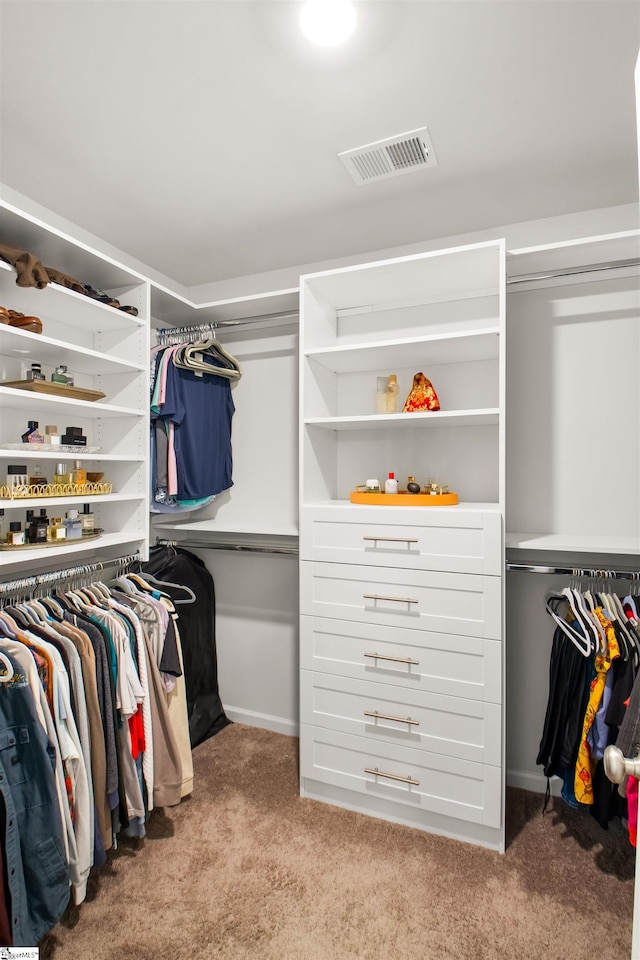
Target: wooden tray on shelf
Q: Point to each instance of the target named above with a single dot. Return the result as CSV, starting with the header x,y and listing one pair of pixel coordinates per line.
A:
x,y
51,543
405,499
55,389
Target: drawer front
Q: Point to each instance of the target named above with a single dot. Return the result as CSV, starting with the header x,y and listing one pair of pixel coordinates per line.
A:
x,y
456,666
445,785
431,539
463,604
451,726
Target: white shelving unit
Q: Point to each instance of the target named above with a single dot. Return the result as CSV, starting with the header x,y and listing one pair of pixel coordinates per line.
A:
x,y
574,397
106,349
403,603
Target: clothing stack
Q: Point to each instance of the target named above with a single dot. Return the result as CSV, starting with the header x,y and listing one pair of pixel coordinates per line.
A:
x,y
93,735
191,413
594,668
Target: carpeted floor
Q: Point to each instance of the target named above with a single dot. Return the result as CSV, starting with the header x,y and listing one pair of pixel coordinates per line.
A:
x,y
246,869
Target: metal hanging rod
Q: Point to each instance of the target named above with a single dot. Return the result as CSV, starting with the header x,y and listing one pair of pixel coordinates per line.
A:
x,y
27,585
232,546
168,334
593,573
574,271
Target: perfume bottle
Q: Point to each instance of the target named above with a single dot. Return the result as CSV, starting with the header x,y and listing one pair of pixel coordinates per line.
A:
x,y
61,475
59,374
35,373
17,475
392,394
56,530
73,525
88,520
37,479
2,534
15,536
78,474
52,435
381,394
32,434
412,485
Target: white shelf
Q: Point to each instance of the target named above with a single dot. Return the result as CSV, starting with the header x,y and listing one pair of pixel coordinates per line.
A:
x,y
455,274
32,452
455,347
214,527
76,308
33,503
31,557
168,309
573,543
13,399
28,346
564,255
436,418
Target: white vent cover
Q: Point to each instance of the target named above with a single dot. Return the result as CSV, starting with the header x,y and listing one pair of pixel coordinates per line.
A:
x,y
392,157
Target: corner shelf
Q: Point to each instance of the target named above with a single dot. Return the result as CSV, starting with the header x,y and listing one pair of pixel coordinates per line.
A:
x,y
436,418
572,543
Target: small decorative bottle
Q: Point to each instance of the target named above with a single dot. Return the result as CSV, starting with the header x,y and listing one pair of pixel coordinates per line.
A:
x,y
381,394
73,525
15,536
391,484
59,374
32,434
62,474
35,373
392,394
412,485
52,435
88,520
78,474
57,530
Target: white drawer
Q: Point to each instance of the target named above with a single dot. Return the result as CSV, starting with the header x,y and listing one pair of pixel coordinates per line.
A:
x,y
451,726
427,538
445,785
443,663
458,603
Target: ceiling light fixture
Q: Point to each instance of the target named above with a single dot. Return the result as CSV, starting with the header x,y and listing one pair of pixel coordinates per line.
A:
x,y
328,22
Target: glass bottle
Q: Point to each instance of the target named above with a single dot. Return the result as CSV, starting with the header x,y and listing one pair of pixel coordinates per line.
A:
x,y
62,474
35,373
15,536
57,529
88,520
381,394
59,374
392,394
73,525
32,434
78,474
412,485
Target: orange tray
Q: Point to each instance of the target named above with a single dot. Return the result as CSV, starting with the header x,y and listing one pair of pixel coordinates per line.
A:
x,y
404,499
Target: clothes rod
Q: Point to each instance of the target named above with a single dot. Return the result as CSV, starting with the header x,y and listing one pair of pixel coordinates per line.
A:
x,y
231,546
25,585
211,325
593,573
574,271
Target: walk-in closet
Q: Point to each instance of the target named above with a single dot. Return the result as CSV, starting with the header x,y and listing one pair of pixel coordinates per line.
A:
x,y
319,480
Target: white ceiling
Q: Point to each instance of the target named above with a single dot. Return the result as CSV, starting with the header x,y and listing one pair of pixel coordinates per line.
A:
x,y
200,136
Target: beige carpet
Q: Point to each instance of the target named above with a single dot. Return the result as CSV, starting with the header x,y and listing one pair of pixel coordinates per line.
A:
x,y
246,869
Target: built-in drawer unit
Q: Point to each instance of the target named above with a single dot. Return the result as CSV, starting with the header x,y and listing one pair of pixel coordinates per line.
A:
x,y
419,538
444,663
464,604
406,775
452,726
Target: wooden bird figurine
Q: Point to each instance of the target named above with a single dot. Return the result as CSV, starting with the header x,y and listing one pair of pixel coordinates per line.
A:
x,y
422,396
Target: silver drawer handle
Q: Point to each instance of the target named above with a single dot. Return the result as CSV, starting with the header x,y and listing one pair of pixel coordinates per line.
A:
x,y
386,716
376,596
381,656
391,776
393,539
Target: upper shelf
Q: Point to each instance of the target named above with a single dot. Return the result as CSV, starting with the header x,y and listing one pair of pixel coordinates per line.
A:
x,y
13,399
435,418
455,347
27,346
169,309
572,255
572,543
55,249
457,273
75,308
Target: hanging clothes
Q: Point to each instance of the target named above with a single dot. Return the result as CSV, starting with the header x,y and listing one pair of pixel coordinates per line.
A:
x,y
198,633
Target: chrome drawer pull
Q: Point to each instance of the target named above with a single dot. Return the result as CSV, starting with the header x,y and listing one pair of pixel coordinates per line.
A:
x,y
376,596
393,539
381,656
391,776
386,716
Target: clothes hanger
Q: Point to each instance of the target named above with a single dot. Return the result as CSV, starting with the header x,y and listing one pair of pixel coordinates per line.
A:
x,y
166,583
587,606
579,640
6,677
582,615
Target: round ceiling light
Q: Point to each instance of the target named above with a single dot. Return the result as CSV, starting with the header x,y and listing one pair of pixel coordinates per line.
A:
x,y
328,22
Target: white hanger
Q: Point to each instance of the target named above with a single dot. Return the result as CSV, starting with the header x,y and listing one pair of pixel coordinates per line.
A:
x,y
167,583
583,643
5,677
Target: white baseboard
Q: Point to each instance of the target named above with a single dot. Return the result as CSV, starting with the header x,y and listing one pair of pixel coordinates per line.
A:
x,y
263,720
536,782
